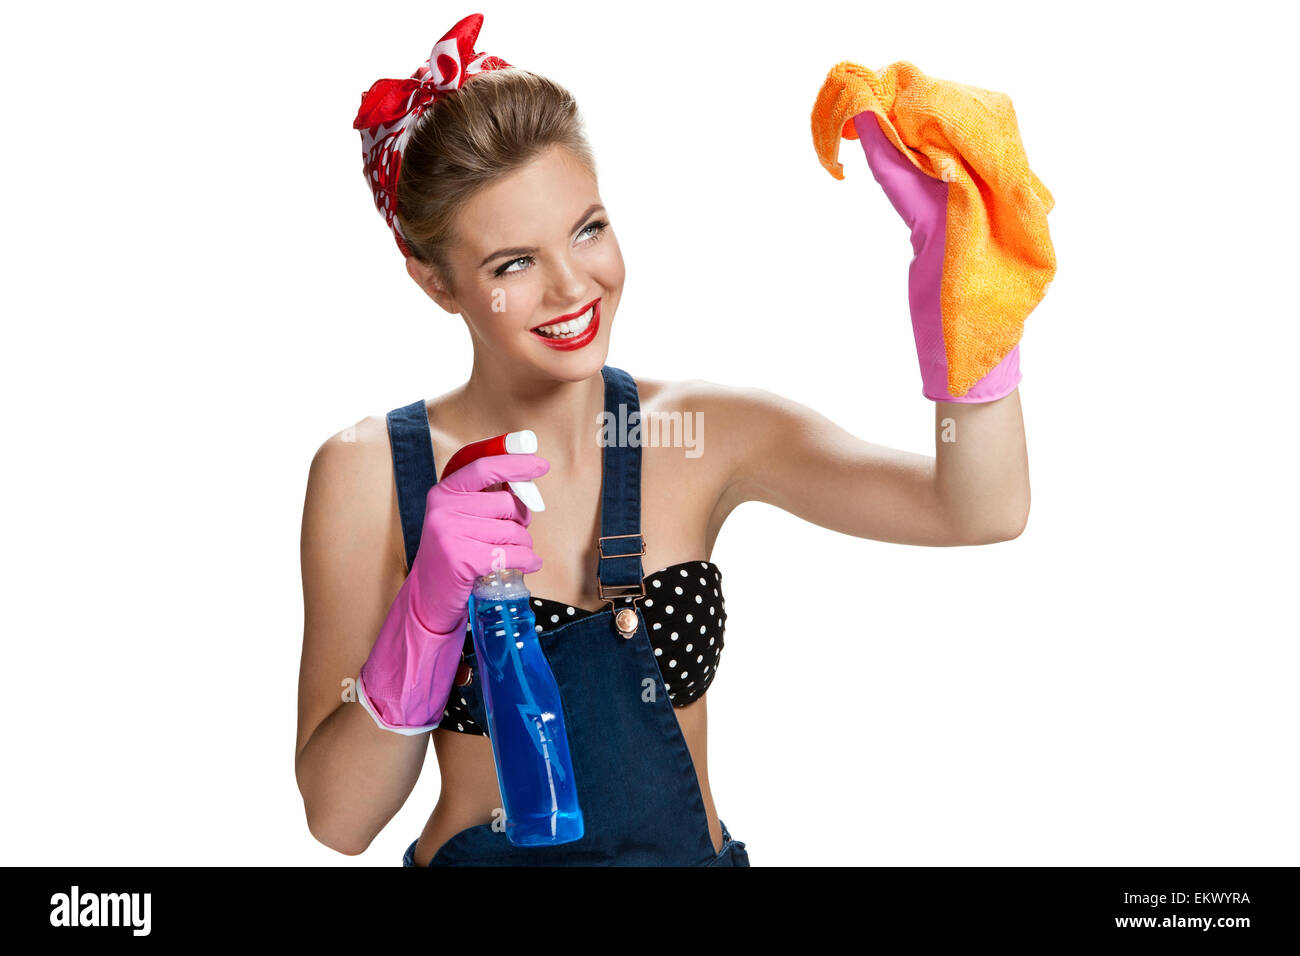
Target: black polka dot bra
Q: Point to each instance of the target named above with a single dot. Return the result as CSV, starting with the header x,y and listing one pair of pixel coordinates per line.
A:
x,y
686,616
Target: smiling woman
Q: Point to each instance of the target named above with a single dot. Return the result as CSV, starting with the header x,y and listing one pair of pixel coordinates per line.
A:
x,y
506,159
498,212
505,290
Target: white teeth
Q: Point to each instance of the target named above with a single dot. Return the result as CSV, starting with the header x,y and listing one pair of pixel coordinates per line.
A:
x,y
567,330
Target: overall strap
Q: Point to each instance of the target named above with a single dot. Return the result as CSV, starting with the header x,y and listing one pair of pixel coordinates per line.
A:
x,y
618,564
413,469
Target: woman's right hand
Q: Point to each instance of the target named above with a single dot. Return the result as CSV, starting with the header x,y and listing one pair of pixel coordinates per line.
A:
x,y
468,531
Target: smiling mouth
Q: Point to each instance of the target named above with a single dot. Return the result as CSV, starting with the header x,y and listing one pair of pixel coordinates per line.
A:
x,y
568,327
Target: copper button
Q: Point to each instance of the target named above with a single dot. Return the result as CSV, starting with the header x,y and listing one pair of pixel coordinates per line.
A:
x,y
626,621
464,674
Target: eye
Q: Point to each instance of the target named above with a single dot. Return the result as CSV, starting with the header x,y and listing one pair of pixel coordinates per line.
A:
x,y
599,227
505,268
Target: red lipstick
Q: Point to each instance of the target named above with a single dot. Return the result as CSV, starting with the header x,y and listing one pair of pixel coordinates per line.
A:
x,y
577,341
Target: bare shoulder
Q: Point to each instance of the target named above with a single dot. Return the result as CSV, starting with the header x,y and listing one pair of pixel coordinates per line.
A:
x,y
353,458
729,407
730,424
682,394
350,492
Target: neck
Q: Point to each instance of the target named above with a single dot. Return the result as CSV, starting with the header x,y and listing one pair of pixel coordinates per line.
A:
x,y
563,415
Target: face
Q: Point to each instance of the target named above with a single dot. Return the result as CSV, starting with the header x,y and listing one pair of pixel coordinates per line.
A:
x,y
535,250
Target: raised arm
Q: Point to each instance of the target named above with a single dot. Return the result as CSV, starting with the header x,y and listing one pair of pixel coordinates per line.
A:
x,y
974,490
950,161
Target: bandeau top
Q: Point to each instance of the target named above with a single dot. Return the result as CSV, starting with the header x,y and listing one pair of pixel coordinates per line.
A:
x,y
686,616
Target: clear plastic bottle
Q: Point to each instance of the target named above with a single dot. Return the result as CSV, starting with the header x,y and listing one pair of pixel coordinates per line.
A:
x,y
524,713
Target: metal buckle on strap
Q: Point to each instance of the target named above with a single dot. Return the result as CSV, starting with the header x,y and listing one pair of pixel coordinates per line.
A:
x,y
608,592
624,618
633,591
607,537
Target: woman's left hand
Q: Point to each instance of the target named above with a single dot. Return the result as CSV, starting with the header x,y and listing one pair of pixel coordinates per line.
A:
x,y
922,201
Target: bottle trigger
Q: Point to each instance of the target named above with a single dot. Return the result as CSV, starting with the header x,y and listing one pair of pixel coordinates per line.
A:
x,y
529,494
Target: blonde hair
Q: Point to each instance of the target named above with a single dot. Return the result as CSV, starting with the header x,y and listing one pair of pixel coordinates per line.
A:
x,y
497,122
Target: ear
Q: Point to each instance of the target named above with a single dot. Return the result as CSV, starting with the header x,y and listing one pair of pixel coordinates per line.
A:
x,y
428,278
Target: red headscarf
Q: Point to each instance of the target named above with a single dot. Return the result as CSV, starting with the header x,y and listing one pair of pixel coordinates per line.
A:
x,y
390,108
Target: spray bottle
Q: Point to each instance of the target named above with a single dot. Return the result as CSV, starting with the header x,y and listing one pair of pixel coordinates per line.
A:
x,y
524,713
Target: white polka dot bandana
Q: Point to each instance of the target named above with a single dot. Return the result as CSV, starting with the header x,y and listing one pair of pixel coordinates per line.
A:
x,y
390,108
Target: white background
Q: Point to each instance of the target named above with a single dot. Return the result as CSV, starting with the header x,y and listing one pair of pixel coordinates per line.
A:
x,y
199,291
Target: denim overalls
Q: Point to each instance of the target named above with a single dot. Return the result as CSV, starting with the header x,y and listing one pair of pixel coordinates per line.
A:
x,y
640,796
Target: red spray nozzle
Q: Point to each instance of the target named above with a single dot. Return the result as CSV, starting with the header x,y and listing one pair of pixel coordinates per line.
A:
x,y
520,442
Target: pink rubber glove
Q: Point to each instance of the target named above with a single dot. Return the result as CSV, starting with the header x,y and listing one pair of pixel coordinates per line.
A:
x,y
468,532
923,204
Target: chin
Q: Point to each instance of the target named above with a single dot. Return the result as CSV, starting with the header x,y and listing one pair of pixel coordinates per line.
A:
x,y
579,366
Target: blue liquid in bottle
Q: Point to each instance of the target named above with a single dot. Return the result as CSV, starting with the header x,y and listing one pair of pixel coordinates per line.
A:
x,y
525,719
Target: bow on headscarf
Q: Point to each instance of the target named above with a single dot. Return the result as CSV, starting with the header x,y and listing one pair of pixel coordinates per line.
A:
x,y
390,108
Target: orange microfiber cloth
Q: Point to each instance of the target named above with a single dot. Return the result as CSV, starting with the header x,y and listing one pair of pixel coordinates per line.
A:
x,y
998,256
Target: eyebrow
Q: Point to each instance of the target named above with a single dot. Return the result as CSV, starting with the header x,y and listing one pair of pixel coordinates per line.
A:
x,y
529,250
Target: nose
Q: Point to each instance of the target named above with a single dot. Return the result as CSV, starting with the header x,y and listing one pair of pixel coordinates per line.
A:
x,y
568,282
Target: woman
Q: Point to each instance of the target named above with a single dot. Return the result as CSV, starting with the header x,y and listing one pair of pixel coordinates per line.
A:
x,y
498,211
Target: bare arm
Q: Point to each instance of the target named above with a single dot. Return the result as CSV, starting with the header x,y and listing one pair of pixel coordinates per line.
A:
x,y
974,490
982,474
353,775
